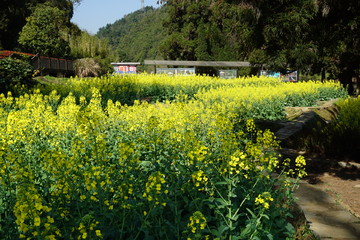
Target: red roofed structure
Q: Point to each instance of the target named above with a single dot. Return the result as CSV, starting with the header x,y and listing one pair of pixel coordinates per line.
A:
x,y
46,65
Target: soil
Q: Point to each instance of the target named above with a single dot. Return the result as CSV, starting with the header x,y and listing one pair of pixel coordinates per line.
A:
x,y
339,181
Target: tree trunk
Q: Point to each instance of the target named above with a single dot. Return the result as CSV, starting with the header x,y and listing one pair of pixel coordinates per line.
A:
x,y
322,75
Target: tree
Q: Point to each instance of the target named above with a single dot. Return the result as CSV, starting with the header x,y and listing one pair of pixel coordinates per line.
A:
x,y
13,14
182,28
343,19
308,35
46,32
312,36
217,26
284,33
12,19
202,51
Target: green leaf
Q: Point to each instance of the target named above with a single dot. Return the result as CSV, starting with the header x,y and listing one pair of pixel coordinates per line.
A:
x,y
214,232
280,222
290,228
235,218
222,228
253,214
222,202
270,236
221,183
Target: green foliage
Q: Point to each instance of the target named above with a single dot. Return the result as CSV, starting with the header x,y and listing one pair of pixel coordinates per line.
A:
x,y
136,36
45,32
248,71
12,18
309,36
13,14
203,45
207,30
88,46
14,71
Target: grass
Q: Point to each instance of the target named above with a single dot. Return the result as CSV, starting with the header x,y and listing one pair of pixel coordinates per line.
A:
x,y
327,114
303,231
50,80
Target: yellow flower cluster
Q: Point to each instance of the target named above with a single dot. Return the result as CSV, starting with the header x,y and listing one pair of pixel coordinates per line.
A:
x,y
30,215
197,222
198,155
154,187
250,125
237,163
349,114
264,199
200,180
36,72
85,230
300,164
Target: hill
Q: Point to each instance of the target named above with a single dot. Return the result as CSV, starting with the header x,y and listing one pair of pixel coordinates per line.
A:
x,y
137,36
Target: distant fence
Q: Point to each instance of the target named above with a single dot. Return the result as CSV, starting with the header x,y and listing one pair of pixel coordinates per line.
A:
x,y
46,65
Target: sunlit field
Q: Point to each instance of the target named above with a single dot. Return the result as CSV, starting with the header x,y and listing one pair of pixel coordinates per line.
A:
x,y
87,159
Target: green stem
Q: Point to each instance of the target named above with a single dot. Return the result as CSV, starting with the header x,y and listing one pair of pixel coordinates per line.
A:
x,y
257,223
162,220
229,202
176,214
147,215
122,226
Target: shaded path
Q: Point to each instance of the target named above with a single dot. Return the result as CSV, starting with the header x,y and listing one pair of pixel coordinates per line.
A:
x,y
326,218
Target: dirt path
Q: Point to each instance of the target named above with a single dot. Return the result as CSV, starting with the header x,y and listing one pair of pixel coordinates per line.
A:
x,y
340,182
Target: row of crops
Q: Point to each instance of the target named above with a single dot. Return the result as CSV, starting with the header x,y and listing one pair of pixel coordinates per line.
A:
x,y
87,160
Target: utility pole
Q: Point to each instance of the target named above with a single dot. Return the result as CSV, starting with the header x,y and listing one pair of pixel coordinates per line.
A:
x,y
142,5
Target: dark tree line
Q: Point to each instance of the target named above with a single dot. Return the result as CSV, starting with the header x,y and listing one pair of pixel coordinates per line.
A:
x,y
307,35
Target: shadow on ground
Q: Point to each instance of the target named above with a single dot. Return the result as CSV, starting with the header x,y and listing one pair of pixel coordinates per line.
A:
x,y
316,167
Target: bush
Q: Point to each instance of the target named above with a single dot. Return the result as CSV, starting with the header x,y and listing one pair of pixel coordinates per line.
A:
x,y
14,71
87,67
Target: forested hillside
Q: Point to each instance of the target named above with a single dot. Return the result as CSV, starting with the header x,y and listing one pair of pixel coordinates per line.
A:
x,y
137,36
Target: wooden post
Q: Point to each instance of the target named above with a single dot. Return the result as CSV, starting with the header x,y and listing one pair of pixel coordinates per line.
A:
x,y
58,66
39,65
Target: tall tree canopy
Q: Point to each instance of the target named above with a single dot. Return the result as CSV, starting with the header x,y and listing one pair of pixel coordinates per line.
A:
x,y
308,35
206,29
45,32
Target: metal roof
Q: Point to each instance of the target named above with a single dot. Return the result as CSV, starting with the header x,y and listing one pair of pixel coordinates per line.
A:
x,y
126,63
197,63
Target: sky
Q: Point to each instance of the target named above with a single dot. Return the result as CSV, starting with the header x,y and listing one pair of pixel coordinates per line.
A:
x,y
91,15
